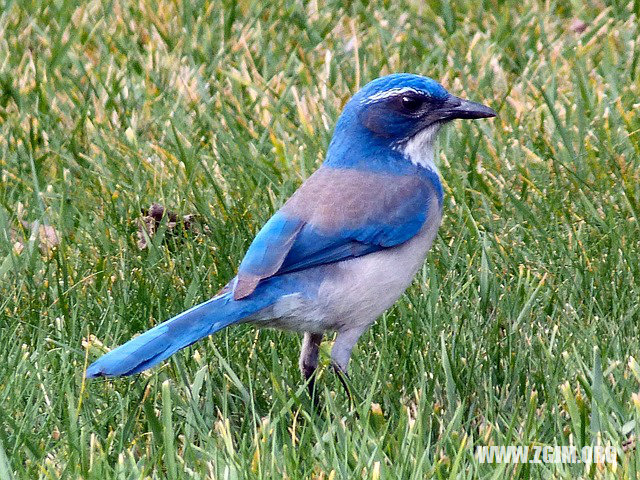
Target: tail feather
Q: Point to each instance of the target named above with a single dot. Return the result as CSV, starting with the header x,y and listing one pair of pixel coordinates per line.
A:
x,y
162,341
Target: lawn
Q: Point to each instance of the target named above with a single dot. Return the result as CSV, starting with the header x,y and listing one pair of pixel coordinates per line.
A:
x,y
521,329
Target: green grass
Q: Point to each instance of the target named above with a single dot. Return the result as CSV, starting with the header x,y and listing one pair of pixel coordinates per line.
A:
x,y
520,329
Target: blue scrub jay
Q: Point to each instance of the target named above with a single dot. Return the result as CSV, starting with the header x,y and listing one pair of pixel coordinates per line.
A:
x,y
345,246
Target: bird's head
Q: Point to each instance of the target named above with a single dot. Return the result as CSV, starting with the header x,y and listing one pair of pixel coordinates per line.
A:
x,y
403,112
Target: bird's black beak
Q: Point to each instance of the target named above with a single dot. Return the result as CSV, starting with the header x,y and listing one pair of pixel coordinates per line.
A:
x,y
454,107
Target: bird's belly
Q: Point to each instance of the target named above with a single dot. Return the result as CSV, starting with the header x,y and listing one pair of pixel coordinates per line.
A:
x,y
353,292
367,286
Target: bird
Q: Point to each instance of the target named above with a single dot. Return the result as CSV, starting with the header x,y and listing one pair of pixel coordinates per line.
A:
x,y
344,247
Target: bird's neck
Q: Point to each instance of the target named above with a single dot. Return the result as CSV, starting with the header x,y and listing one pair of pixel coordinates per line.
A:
x,y
415,157
420,148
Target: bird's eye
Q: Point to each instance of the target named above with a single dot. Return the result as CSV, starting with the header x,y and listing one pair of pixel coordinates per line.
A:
x,y
411,104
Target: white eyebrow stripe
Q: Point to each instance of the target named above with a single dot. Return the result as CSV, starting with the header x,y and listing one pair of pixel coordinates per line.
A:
x,y
392,92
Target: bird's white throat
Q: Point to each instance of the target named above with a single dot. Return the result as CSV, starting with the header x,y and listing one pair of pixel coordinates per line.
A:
x,y
420,149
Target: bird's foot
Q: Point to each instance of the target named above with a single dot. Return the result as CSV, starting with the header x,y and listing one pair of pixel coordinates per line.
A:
x,y
313,393
343,376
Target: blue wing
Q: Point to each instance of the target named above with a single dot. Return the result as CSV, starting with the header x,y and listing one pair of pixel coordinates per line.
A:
x,y
334,216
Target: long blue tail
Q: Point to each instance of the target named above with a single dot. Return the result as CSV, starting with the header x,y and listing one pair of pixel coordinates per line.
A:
x,y
162,341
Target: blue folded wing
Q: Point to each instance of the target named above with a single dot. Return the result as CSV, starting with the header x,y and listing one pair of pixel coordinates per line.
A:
x,y
313,247
271,246
318,227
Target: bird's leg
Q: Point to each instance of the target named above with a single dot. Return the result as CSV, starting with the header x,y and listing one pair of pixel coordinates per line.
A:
x,y
341,353
309,360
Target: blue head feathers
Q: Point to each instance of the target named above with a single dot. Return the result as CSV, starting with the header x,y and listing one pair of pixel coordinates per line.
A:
x,y
391,111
